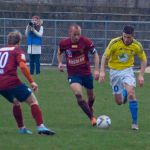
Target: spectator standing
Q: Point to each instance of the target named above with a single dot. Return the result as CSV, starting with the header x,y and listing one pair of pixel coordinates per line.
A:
x,y
34,33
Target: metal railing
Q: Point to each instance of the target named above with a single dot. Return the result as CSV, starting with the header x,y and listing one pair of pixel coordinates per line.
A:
x,y
101,32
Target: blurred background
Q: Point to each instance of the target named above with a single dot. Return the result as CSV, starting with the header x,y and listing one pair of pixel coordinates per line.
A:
x,y
100,20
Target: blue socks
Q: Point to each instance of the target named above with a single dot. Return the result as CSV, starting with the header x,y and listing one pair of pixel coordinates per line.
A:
x,y
124,96
133,106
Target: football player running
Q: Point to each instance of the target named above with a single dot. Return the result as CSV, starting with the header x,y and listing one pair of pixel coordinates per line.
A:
x,y
76,49
120,53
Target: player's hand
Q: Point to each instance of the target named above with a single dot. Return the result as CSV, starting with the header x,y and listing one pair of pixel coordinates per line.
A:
x,y
101,77
61,67
34,87
140,80
96,74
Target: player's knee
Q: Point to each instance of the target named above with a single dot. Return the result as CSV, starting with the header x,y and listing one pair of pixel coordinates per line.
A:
x,y
118,101
16,102
31,100
131,95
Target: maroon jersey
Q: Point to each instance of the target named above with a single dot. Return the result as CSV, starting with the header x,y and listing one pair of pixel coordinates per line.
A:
x,y
9,60
77,55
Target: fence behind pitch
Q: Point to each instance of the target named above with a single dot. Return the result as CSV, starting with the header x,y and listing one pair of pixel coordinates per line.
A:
x,y
100,32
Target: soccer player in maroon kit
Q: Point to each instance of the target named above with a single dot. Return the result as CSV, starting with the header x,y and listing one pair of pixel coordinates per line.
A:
x,y
13,89
76,49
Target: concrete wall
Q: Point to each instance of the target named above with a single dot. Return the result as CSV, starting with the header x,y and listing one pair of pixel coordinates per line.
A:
x,y
101,3
133,10
122,6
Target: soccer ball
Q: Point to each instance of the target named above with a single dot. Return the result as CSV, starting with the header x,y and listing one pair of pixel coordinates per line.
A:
x,y
103,122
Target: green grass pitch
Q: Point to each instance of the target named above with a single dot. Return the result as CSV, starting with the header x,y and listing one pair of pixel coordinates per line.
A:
x,y
73,128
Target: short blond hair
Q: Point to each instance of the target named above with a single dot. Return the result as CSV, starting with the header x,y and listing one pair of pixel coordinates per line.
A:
x,y
14,38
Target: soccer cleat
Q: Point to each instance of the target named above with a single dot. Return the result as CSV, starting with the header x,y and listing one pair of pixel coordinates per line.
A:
x,y
45,131
93,121
24,131
135,127
125,96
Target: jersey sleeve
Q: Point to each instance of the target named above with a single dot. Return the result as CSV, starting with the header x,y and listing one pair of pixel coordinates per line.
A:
x,y
20,56
141,53
90,46
21,60
61,47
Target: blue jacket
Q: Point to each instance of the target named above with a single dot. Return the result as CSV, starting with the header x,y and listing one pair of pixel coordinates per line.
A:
x,y
34,39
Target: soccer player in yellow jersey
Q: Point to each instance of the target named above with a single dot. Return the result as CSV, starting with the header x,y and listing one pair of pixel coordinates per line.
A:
x,y
120,55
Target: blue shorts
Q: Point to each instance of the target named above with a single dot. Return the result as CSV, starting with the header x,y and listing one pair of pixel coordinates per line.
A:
x,y
86,81
21,93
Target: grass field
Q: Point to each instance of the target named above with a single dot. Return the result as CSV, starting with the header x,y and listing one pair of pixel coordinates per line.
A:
x,y
73,128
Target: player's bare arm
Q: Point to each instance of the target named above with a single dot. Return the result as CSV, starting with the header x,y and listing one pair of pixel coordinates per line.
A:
x,y
141,73
26,72
102,70
96,69
59,58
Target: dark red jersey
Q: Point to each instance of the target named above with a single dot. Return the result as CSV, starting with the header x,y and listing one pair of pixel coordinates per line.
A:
x,y
9,61
77,55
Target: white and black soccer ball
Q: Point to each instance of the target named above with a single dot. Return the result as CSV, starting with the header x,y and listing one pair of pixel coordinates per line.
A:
x,y
103,122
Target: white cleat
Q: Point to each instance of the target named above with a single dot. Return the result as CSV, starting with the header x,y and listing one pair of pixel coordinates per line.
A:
x,y
135,127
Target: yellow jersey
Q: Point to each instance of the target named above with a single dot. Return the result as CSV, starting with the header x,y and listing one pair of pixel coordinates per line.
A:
x,y
121,56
